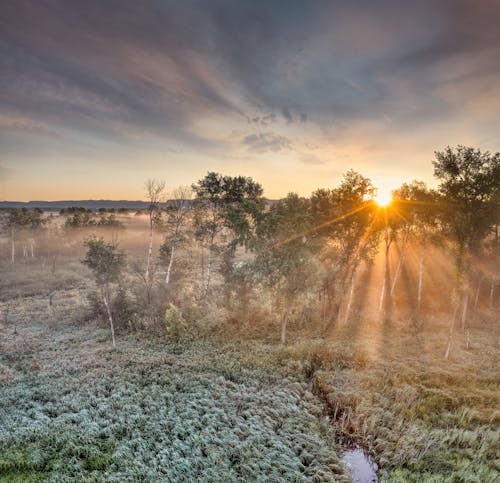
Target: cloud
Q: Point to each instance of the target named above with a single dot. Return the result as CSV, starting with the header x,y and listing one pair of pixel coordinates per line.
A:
x,y
22,125
131,76
311,159
266,142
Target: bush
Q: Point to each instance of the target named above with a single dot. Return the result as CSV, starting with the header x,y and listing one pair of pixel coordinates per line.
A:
x,y
174,321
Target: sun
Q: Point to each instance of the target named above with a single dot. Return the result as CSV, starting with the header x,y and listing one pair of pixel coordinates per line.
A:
x,y
383,198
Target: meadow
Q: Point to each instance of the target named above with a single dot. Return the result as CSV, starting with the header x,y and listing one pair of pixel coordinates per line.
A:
x,y
221,336
230,403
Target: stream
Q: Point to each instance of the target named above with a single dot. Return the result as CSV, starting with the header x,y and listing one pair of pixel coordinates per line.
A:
x,y
361,466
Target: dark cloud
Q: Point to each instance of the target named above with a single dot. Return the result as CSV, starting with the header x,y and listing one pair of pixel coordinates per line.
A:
x,y
122,69
266,142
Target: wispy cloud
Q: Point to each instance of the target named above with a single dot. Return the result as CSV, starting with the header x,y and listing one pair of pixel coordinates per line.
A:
x,y
128,75
266,142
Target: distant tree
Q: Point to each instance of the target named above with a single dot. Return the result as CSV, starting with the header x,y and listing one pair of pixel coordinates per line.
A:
x,y
18,221
225,203
154,191
80,219
110,221
106,263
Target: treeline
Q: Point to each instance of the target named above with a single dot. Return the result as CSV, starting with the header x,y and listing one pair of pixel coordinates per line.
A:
x,y
227,254
303,255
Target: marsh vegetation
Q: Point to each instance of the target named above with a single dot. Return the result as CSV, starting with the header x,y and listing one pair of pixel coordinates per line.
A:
x,y
220,336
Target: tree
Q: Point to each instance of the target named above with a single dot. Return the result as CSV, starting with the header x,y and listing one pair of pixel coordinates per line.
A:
x,y
177,211
106,263
154,190
226,203
418,207
285,259
21,220
469,184
344,218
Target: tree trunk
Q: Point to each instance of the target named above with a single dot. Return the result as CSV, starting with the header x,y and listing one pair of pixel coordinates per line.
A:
x,y
351,295
209,265
382,295
110,317
32,245
150,246
284,322
450,335
464,311
209,272
400,264
385,282
476,298
12,246
420,278
170,264
492,290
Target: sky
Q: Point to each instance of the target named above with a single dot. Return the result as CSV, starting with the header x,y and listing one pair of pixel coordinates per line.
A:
x,y
97,96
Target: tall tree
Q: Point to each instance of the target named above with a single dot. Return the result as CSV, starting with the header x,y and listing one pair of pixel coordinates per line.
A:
x,y
285,258
344,222
228,204
469,184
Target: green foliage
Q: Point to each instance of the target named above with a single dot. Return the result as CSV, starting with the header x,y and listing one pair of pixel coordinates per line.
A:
x,y
175,323
104,260
469,184
23,219
285,258
229,202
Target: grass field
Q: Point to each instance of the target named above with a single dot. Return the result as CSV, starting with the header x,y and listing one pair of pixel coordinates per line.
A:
x,y
236,407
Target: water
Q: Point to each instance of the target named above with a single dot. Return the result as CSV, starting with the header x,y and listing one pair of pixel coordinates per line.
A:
x,y
362,468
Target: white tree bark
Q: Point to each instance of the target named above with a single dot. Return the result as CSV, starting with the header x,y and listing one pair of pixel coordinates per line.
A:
x,y
420,278
110,317
170,264
476,298
464,311
351,295
12,246
150,246
492,290
450,335
400,264
209,271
